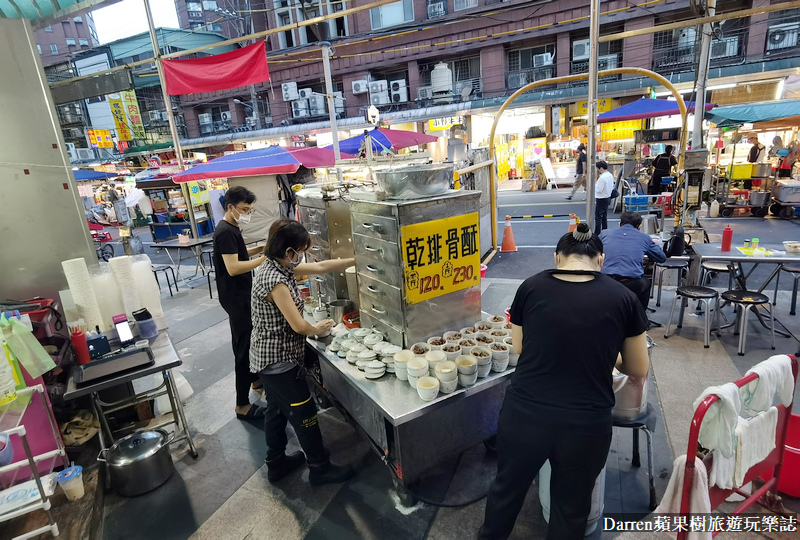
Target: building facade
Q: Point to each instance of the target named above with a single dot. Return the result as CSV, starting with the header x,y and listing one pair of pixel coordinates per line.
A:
x,y
59,41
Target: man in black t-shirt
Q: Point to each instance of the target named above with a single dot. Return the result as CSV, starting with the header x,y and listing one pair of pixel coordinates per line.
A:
x,y
580,172
234,279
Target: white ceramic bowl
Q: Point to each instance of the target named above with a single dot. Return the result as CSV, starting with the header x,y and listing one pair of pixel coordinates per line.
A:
x,y
507,341
469,331
452,355
352,357
401,357
390,350
499,352
446,371
401,373
499,365
373,376
367,355
499,334
362,333
482,354
423,347
417,367
379,346
375,365
428,388
412,381
467,364
453,336
342,354
496,321
508,326
448,387
792,246
483,339
348,343
434,357
483,326
358,348
436,343
362,364
513,360
371,340
483,371
335,346
466,345
467,380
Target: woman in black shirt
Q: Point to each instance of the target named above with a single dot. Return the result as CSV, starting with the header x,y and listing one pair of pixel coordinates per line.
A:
x,y
662,166
575,322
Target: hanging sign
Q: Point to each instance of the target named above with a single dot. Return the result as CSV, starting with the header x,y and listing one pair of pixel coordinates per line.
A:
x,y
441,256
438,124
120,120
603,105
100,138
197,194
133,113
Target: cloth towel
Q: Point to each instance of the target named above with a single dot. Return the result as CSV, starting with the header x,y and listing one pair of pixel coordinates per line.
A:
x,y
774,375
755,440
699,503
718,430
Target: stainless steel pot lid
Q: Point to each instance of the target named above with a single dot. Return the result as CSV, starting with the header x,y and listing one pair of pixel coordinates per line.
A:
x,y
136,447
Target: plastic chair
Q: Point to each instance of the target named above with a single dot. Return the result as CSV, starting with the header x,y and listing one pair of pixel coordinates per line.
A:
x,y
660,268
645,422
701,294
795,271
165,268
743,301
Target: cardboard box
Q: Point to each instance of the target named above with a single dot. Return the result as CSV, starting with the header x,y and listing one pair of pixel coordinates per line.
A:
x,y
160,205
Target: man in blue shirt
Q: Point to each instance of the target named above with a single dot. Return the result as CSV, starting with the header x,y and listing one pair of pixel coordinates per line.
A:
x,y
625,249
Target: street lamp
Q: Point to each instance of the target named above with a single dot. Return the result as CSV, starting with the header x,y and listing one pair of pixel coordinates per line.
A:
x,y
253,109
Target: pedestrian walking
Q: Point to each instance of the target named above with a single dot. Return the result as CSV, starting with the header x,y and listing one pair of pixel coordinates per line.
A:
x,y
580,172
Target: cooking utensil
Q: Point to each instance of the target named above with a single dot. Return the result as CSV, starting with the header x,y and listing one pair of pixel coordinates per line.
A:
x,y
140,462
414,181
340,308
761,170
759,198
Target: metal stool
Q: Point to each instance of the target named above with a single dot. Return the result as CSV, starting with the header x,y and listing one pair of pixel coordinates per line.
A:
x,y
743,301
701,294
645,422
211,269
164,268
660,268
795,270
709,268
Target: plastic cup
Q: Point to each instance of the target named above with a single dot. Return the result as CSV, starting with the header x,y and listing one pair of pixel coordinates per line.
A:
x,y
71,481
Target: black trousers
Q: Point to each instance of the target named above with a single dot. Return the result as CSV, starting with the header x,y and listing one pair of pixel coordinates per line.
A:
x,y
241,326
290,401
601,215
524,443
638,286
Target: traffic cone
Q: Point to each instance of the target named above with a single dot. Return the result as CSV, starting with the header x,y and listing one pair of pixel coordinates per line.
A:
x,y
573,223
508,238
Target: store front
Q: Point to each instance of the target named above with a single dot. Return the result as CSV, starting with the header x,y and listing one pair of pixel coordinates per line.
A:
x,y
520,139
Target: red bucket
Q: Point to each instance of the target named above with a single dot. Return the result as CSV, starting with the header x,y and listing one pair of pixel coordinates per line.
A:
x,y
789,482
483,270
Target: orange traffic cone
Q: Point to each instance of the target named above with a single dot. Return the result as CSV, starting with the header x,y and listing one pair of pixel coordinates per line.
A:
x,y
573,223
508,238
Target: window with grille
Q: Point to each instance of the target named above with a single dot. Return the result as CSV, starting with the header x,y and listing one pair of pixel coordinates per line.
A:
x,y
459,5
338,27
53,48
392,14
83,42
70,41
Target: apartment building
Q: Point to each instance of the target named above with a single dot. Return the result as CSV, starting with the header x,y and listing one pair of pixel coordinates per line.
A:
x,y
59,41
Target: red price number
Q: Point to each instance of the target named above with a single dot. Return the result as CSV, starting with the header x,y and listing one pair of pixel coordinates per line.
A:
x,y
429,284
462,274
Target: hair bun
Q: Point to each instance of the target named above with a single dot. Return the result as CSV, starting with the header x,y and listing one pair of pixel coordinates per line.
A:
x,y
582,233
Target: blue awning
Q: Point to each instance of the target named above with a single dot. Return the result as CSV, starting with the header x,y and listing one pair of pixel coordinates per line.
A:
x,y
92,175
751,113
646,108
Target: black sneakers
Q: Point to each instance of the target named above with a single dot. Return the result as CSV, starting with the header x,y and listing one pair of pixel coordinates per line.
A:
x,y
280,467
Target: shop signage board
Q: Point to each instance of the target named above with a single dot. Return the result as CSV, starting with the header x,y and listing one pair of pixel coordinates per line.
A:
x,y
100,138
120,120
441,256
603,105
438,124
133,113
199,195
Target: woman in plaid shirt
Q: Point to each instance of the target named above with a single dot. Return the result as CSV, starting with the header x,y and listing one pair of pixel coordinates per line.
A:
x,y
277,349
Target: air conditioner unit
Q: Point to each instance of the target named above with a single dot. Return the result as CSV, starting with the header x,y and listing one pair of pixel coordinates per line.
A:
x,y
376,87
540,60
607,62
380,98
782,36
165,116
85,154
155,116
395,86
204,118
205,129
289,90
316,105
580,49
726,48
360,87
400,96
425,92
73,155
542,74
517,80
305,93
686,37
338,102
225,116
299,108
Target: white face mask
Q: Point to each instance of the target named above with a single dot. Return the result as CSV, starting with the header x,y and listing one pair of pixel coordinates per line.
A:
x,y
294,264
243,219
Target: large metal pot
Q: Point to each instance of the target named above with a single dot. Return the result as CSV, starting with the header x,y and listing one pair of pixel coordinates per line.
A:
x,y
340,308
759,198
761,170
415,181
139,463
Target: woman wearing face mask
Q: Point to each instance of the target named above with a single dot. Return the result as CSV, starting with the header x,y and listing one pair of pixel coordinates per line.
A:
x,y
570,325
277,349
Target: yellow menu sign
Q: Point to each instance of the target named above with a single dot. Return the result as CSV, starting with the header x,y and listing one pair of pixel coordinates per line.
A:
x,y
440,256
120,120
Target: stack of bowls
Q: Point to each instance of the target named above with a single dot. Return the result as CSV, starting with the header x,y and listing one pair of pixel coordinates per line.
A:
x,y
483,339
447,373
372,340
416,367
348,343
335,346
358,348
496,321
365,358
400,360
436,343
352,357
433,358
467,367
374,370
378,347
499,334
453,336
500,354
428,388
420,349
452,350
513,356
466,345
386,355
361,333
484,362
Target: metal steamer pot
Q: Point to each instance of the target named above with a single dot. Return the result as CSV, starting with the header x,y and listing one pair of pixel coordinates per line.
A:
x,y
340,308
761,170
139,462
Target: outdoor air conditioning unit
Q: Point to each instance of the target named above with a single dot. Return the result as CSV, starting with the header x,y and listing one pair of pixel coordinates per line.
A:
x,y
204,118
305,93
338,102
400,95
360,87
607,62
686,37
85,154
289,90
300,108
376,87
517,80
155,116
540,60
165,116
73,154
782,36
425,92
316,105
580,49
395,86
225,116
380,98
726,48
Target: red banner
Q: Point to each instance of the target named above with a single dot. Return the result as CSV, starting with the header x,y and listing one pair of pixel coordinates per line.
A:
x,y
241,67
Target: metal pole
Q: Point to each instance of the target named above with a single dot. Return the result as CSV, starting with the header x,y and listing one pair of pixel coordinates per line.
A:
x,y
176,141
702,79
591,121
326,66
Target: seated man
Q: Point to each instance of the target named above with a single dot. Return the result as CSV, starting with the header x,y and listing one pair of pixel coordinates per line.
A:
x,y
625,249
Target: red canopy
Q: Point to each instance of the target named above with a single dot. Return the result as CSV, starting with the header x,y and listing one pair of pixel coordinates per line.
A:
x,y
241,67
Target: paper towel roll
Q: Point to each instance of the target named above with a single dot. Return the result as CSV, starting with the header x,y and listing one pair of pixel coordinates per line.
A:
x,y
108,297
146,285
122,270
80,283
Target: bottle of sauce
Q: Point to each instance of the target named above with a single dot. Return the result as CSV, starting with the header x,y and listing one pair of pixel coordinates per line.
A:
x,y
727,238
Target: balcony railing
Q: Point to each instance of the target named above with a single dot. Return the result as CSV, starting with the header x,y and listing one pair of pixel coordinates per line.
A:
x,y
518,79
679,52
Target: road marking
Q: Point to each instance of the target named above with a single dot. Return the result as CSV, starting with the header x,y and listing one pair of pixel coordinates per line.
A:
x,y
542,204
